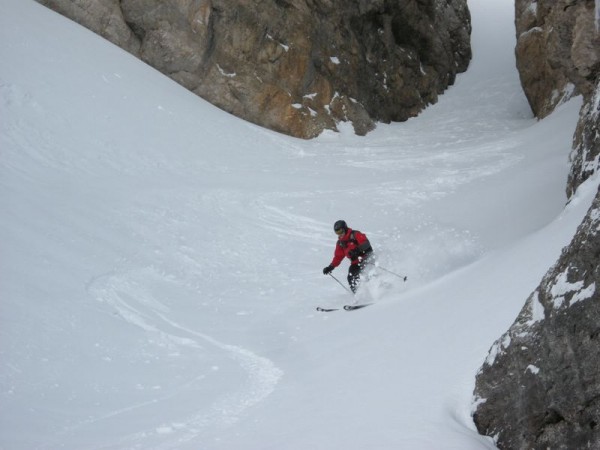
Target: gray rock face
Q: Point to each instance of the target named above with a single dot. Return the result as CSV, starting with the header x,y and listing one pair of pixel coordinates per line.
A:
x,y
297,67
558,51
585,157
540,385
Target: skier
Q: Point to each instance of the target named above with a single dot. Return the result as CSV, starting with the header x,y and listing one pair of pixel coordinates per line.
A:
x,y
354,245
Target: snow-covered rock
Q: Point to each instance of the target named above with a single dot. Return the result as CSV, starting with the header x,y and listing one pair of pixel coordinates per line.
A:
x,y
585,157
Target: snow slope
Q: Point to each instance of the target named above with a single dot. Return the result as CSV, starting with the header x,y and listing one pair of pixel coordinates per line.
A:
x,y
161,260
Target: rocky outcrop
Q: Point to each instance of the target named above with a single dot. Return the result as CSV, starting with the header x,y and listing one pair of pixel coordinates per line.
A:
x,y
558,56
540,385
297,67
585,157
557,52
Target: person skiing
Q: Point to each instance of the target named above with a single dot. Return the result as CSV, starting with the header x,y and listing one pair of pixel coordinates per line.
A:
x,y
354,245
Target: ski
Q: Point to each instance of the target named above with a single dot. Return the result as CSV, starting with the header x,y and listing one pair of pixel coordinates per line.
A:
x,y
346,308
354,307
326,309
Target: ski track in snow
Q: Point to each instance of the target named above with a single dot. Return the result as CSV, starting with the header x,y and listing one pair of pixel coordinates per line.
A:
x,y
134,304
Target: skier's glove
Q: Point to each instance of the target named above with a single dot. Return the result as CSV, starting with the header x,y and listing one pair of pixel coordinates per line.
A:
x,y
327,270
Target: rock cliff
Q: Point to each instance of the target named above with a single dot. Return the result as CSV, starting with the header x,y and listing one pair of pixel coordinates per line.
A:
x,y
585,157
558,56
297,67
557,51
540,385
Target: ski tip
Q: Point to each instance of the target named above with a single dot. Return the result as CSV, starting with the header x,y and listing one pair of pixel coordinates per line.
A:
x,y
353,307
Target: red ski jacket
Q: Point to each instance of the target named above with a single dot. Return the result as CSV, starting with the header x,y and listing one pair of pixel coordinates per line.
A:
x,y
351,240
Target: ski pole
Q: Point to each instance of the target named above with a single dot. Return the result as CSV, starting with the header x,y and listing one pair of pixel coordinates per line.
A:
x,y
404,278
340,283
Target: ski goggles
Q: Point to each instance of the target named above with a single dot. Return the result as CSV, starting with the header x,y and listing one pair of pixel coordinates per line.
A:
x,y
339,231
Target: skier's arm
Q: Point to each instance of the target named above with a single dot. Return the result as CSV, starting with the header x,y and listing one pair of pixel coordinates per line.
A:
x,y
338,256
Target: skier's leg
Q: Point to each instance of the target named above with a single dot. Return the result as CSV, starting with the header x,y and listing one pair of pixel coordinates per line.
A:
x,y
354,276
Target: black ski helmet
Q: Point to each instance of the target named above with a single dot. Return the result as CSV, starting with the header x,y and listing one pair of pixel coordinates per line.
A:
x,y
340,225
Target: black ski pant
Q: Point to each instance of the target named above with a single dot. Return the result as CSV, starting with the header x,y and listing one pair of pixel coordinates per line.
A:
x,y
354,275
